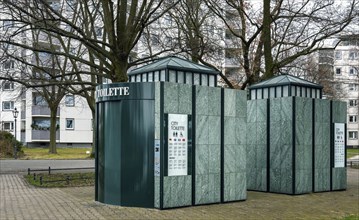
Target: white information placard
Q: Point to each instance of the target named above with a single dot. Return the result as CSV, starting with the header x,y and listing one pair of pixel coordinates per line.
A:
x,y
177,144
339,145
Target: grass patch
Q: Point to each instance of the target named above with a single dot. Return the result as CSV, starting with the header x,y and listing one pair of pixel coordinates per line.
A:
x,y
351,217
352,152
62,153
60,179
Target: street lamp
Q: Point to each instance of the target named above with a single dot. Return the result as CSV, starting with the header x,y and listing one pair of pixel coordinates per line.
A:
x,y
15,114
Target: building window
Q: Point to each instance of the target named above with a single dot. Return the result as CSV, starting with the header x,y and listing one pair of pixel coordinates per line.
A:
x,y
155,39
352,71
7,24
9,64
7,86
70,123
353,87
7,105
352,118
353,55
338,71
98,31
70,100
353,135
353,102
7,125
338,55
337,86
39,100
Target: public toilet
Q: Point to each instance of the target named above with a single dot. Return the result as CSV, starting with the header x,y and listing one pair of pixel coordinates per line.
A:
x,y
170,138
297,142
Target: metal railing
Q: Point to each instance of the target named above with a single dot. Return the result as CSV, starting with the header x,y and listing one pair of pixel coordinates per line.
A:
x,y
54,169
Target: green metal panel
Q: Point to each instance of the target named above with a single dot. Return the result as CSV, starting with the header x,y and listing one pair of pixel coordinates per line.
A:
x,y
125,149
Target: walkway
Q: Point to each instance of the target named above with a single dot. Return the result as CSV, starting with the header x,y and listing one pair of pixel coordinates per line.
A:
x,y
20,201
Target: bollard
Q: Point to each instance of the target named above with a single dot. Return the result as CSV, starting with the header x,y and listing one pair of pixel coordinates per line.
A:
x,y
34,176
49,170
351,163
68,179
40,180
28,171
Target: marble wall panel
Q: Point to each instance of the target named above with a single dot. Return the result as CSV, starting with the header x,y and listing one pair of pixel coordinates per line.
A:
x,y
303,181
235,119
214,129
185,99
230,130
241,104
286,180
214,104
202,159
241,131
339,175
202,129
171,102
256,149
275,180
230,102
176,191
207,149
202,100
322,179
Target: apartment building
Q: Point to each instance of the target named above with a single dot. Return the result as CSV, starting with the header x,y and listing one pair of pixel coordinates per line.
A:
x,y
346,68
74,117
338,61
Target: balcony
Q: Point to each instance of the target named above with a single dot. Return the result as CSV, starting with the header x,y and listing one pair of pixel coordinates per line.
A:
x,y
43,135
43,110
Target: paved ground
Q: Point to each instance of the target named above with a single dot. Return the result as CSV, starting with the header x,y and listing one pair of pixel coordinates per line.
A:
x,y
20,201
15,166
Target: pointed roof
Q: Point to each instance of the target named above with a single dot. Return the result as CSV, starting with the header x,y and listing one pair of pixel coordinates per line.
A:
x,y
174,63
285,80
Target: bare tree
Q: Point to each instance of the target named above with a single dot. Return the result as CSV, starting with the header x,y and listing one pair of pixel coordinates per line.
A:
x,y
94,40
281,32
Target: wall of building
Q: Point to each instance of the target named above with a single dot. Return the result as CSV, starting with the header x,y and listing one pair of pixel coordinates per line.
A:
x,y
218,172
295,153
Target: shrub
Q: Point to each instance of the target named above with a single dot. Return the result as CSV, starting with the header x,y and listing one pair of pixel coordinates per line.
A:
x,y
7,143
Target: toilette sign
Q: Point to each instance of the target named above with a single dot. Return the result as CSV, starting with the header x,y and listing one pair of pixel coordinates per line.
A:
x,y
113,91
177,144
339,145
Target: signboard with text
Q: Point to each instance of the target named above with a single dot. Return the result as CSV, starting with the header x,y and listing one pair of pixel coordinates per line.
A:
x,y
339,145
177,144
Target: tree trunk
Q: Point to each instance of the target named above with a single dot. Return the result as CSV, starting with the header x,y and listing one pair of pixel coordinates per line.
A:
x,y
268,59
52,147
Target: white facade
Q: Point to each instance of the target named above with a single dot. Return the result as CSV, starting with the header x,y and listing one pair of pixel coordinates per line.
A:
x,y
346,68
32,127
75,119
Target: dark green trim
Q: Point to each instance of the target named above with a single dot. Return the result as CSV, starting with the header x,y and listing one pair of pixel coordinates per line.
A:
x,y
293,149
268,145
184,69
96,152
189,146
162,142
165,144
222,145
345,144
331,145
313,145
193,143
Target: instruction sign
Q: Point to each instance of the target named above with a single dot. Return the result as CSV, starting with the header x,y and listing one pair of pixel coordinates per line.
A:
x,y
339,145
157,158
177,144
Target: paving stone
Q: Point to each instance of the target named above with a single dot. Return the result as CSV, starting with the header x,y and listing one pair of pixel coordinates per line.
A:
x,y
18,200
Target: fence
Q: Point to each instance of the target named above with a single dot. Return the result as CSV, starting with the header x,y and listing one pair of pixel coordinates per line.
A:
x,y
67,179
54,169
